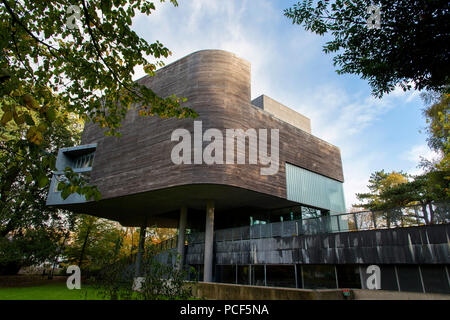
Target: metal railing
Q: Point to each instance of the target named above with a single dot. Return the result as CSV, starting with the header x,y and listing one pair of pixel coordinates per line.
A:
x,y
164,245
355,221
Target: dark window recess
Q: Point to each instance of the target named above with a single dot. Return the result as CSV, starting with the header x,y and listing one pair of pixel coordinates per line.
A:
x,y
388,278
257,275
299,277
348,276
319,276
84,161
243,275
280,276
409,278
435,279
226,273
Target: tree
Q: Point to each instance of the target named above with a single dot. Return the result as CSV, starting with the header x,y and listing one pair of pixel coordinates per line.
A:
x,y
160,281
379,182
94,242
437,115
409,48
158,235
30,232
29,247
425,189
77,58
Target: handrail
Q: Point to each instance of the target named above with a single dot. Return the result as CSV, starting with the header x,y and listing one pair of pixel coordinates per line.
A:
x,y
347,222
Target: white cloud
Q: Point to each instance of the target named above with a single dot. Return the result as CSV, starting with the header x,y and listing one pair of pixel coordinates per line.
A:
x,y
418,151
246,28
356,174
414,155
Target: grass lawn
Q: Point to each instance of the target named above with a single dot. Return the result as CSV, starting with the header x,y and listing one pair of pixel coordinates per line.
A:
x,y
54,291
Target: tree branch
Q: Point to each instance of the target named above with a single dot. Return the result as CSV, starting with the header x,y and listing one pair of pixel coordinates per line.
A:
x,y
99,53
17,20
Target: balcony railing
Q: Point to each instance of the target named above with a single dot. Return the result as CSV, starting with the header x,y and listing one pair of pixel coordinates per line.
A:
x,y
354,221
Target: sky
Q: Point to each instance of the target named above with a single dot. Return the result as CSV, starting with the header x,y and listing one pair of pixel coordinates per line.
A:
x,y
288,65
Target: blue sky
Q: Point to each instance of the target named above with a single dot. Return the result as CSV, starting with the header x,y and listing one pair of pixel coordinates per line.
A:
x,y
289,66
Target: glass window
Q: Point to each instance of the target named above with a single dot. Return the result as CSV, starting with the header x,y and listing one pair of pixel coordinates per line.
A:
x,y
280,276
299,276
388,278
257,275
435,279
348,276
226,273
84,161
243,275
308,212
258,219
409,278
319,276
313,189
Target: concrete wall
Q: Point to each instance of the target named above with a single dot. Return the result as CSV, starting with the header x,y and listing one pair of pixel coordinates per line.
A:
x,y
359,294
221,291
66,158
412,245
282,112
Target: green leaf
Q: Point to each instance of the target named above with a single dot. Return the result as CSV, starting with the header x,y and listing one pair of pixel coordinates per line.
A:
x,y
65,193
61,186
19,119
29,178
42,127
51,115
28,119
97,195
43,181
7,116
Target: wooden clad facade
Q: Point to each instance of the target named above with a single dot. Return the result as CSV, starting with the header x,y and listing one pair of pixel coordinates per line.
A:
x,y
217,86
139,181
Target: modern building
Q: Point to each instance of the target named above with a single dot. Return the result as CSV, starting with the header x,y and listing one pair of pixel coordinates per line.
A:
x,y
247,179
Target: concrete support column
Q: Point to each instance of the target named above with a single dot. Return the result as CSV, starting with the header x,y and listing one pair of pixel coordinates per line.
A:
x,y
181,236
140,249
209,241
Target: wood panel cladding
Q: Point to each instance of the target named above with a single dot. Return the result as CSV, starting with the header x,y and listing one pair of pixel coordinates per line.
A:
x,y
217,86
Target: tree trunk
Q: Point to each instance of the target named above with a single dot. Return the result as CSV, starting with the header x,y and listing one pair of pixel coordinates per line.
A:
x,y
7,182
430,206
84,245
118,246
63,246
132,244
141,248
425,214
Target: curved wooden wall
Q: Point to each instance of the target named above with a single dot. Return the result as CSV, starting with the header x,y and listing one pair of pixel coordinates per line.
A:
x,y
217,86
